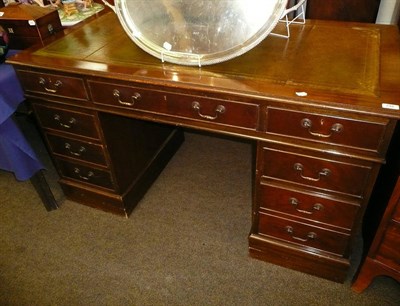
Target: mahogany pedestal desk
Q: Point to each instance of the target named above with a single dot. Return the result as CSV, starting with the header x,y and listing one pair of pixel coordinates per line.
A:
x,y
321,107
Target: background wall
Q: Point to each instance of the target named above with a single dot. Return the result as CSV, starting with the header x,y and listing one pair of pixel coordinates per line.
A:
x,y
389,12
346,10
379,11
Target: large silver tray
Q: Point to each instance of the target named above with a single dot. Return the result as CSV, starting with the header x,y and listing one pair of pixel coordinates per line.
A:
x,y
198,32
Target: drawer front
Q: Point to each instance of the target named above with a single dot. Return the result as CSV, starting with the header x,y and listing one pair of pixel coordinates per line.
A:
x,y
85,174
389,250
77,123
128,97
315,172
81,150
323,128
307,206
233,113
53,84
304,235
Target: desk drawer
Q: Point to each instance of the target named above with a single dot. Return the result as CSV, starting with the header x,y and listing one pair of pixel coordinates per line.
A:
x,y
307,206
85,174
53,84
348,178
302,234
78,123
128,97
233,113
80,150
348,132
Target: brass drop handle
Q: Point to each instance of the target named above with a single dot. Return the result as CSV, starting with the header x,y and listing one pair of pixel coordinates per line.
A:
x,y
220,109
68,125
135,98
324,172
316,207
78,153
335,128
87,177
43,83
310,235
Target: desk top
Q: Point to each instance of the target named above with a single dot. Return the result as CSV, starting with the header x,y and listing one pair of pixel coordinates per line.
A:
x,y
339,65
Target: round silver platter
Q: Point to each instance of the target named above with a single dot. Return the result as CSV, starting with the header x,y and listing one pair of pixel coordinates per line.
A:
x,y
198,32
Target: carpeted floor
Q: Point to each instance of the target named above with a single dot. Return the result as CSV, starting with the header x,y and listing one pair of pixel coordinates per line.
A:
x,y
185,244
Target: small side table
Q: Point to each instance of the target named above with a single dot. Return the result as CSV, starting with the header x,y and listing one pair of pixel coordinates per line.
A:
x,y
16,155
384,255
383,239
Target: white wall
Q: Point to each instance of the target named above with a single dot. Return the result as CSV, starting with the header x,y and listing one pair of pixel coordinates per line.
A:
x,y
389,11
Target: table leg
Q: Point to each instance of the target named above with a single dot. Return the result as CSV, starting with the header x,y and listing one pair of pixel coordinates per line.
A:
x,y
42,188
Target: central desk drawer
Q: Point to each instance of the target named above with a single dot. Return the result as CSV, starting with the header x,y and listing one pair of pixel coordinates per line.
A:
x,y
129,97
343,131
69,121
81,150
234,113
302,234
348,178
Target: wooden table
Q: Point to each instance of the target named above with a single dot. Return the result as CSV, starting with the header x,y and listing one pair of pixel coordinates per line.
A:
x,y
381,230
321,108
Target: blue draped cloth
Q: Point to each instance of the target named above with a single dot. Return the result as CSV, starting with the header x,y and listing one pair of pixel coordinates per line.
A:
x,y
16,154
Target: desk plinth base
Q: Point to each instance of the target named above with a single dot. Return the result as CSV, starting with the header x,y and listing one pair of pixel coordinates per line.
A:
x,y
279,253
123,204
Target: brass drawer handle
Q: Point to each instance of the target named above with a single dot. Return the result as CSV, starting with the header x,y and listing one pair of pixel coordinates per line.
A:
x,y
316,207
43,83
220,109
135,98
335,128
324,172
71,121
87,177
78,153
310,235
